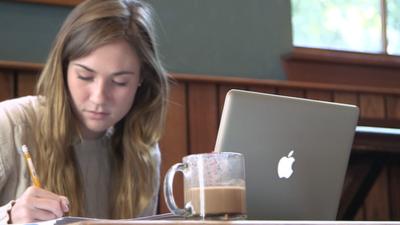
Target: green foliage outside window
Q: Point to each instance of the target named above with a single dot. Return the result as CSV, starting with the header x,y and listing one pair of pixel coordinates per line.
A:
x,y
349,25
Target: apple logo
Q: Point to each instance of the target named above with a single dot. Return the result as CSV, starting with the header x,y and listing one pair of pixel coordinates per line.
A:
x,y
285,166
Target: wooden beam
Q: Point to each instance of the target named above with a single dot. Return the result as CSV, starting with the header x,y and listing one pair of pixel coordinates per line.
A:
x,y
360,177
54,2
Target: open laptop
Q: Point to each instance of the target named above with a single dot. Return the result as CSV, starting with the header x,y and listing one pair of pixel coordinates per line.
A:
x,y
310,140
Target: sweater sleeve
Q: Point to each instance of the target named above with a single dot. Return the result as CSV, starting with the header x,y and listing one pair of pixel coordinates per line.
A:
x,y
12,118
4,212
6,146
6,157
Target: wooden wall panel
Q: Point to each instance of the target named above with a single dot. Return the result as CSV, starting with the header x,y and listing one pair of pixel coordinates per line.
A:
x,y
360,214
203,117
174,143
346,98
394,189
6,85
393,107
263,89
377,202
319,95
372,106
357,177
26,83
293,92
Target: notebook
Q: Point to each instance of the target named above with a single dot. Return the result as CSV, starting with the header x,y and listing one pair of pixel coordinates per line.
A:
x,y
74,219
296,152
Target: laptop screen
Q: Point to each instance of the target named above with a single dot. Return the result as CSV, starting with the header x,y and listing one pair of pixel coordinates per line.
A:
x,y
296,152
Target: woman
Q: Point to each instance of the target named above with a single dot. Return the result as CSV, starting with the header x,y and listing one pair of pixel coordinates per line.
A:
x,y
94,125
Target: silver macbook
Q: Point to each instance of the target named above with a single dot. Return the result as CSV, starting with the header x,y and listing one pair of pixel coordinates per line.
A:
x,y
296,152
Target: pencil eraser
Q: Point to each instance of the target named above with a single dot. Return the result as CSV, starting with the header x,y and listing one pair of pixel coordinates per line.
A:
x,y
24,149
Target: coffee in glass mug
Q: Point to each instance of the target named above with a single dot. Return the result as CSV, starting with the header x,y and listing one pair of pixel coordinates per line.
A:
x,y
214,186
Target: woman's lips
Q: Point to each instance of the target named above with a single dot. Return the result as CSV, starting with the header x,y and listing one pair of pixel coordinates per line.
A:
x,y
97,115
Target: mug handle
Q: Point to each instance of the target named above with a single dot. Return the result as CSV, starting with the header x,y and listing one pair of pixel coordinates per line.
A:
x,y
168,190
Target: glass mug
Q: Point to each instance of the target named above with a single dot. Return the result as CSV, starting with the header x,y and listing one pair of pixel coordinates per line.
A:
x,y
214,186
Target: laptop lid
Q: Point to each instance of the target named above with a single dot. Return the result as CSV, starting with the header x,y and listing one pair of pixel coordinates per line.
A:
x,y
310,140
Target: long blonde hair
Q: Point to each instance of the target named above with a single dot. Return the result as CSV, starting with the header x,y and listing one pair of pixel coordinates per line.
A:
x,y
90,25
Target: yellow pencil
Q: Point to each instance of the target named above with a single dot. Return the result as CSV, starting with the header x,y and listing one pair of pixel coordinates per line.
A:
x,y
32,171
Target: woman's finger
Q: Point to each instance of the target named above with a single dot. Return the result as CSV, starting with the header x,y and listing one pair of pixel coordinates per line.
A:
x,y
42,193
50,205
40,215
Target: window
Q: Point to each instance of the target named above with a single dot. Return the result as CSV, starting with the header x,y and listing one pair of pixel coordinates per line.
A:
x,y
393,27
370,26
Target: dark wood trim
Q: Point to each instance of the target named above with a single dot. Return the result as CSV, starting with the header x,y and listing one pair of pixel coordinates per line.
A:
x,y
261,83
282,83
54,2
344,68
16,65
377,143
332,56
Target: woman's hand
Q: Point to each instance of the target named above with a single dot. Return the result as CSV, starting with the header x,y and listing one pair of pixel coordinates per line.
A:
x,y
37,204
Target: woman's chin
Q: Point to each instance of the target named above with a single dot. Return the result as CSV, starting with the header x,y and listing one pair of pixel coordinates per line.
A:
x,y
94,132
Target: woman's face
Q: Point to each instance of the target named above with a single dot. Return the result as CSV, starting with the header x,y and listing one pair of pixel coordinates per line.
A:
x,y
103,85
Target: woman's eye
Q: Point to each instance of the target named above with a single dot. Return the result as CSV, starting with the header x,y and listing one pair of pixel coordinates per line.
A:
x,y
120,83
85,78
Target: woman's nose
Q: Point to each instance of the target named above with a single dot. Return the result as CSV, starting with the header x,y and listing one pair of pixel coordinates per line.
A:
x,y
99,92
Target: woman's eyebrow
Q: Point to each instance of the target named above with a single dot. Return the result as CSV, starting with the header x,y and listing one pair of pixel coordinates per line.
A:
x,y
85,68
122,72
